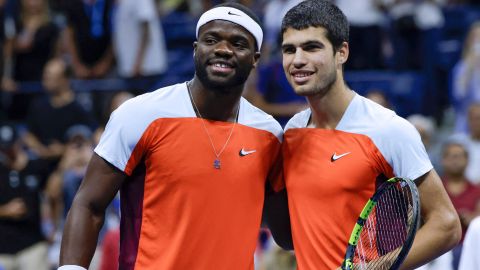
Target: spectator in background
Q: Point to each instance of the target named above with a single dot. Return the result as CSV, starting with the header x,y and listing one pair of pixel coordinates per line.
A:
x,y
22,243
2,32
272,22
466,78
427,130
138,39
472,140
464,195
414,25
88,37
3,104
50,117
65,180
34,42
366,26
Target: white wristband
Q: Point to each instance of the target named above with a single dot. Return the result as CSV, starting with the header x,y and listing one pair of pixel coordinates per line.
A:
x,y
71,267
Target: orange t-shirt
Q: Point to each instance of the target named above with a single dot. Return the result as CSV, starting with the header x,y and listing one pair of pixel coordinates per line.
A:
x,y
177,210
330,175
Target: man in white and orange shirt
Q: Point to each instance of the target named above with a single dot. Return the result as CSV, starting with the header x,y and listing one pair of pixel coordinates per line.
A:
x,y
191,162
337,151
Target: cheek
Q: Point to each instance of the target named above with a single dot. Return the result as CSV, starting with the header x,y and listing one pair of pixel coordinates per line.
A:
x,y
286,60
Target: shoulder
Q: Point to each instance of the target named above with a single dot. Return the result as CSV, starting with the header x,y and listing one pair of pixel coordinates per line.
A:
x,y
366,116
299,120
256,118
163,102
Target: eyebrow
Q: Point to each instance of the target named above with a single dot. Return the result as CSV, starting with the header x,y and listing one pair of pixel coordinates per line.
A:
x,y
303,44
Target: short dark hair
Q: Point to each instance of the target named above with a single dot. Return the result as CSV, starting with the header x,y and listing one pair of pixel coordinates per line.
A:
x,y
318,13
245,10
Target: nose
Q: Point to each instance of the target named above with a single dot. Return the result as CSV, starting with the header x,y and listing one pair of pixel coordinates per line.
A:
x,y
299,59
223,49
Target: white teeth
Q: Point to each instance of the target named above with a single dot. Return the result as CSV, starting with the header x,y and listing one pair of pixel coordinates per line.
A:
x,y
302,75
221,65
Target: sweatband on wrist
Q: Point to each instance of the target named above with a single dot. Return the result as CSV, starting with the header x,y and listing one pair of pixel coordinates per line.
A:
x,y
71,267
235,16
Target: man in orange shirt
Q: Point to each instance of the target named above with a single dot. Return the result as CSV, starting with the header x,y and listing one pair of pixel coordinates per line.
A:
x,y
337,151
190,160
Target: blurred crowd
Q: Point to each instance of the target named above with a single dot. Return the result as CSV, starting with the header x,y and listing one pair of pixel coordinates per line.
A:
x,y
67,64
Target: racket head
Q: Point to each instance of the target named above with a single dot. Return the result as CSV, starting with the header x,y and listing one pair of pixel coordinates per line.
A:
x,y
384,232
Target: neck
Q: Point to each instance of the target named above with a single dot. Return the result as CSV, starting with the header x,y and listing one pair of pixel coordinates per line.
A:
x,y
328,109
215,104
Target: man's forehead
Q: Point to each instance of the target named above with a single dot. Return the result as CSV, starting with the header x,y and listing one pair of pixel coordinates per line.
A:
x,y
299,36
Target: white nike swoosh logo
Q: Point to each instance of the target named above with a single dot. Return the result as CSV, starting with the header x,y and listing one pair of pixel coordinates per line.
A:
x,y
335,156
244,152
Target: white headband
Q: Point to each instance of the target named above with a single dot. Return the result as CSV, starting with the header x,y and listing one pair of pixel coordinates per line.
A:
x,y
233,15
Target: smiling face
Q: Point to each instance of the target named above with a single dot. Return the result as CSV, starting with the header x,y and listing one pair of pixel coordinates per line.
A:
x,y
309,60
224,54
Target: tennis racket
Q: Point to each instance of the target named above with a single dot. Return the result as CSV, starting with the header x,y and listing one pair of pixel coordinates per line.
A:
x,y
385,230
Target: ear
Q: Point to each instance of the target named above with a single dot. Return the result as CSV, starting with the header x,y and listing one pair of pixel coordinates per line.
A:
x,y
195,44
342,53
256,59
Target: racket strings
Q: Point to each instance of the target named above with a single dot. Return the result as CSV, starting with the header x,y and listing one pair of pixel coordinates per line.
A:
x,y
386,229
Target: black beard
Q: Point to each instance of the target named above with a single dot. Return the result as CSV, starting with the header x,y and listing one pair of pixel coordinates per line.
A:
x,y
238,79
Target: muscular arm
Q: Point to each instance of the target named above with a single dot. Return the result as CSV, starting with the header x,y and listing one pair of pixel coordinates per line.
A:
x,y
441,229
87,213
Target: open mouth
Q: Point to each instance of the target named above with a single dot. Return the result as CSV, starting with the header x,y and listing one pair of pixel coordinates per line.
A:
x,y
301,76
221,67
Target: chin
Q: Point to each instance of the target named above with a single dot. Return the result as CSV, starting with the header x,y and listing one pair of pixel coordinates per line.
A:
x,y
303,90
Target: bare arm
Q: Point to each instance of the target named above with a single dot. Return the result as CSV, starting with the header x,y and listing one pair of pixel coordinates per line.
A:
x,y
441,229
86,217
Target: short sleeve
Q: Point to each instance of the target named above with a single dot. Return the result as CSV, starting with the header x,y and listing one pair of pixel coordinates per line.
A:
x,y
404,150
121,137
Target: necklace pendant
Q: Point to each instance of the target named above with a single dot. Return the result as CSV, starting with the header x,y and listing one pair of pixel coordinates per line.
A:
x,y
216,164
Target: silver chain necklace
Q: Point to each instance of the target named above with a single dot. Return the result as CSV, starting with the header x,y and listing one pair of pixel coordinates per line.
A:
x,y
216,162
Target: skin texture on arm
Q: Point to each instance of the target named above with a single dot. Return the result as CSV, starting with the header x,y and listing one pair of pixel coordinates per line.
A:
x,y
440,230
87,214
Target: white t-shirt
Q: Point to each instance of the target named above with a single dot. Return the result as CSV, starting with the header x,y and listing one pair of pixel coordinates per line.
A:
x,y
129,15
